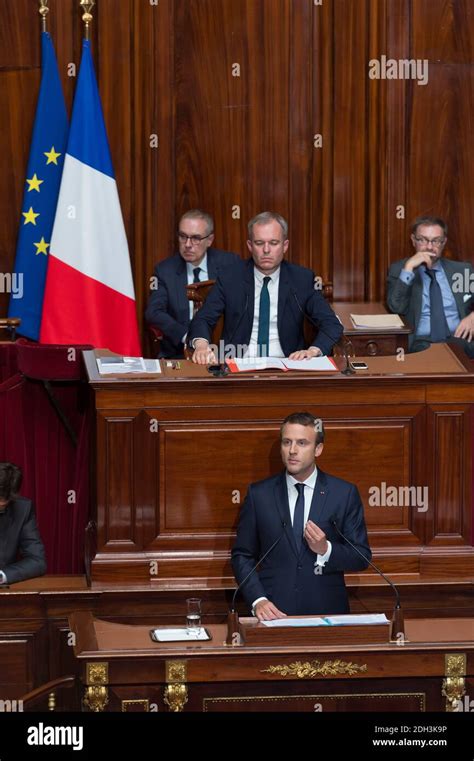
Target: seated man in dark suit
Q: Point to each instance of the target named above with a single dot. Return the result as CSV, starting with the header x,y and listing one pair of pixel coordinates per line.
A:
x,y
304,573
169,308
18,531
264,301
435,294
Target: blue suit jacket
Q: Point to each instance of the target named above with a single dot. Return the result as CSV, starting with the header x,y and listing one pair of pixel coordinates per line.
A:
x,y
234,296
287,577
168,306
19,533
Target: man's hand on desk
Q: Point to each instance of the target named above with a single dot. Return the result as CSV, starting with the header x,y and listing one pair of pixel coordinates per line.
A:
x,y
203,355
267,611
465,329
421,257
316,538
313,351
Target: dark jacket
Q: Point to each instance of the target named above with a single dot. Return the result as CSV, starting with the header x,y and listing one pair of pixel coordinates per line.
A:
x,y
234,296
19,534
407,299
168,305
287,578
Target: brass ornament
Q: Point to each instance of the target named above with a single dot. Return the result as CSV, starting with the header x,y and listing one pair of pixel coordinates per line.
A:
x,y
454,683
96,694
175,697
307,669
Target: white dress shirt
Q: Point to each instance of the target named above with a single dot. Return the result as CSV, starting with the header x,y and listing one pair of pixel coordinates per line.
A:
x,y
274,349
310,483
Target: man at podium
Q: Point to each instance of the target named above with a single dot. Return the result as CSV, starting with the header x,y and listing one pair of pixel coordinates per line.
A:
x,y
295,511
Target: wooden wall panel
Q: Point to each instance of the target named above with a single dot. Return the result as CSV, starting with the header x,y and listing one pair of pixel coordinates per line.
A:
x,y
165,70
443,30
441,176
20,45
349,161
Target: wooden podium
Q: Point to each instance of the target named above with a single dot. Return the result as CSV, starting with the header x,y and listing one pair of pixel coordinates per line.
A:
x,y
122,669
175,453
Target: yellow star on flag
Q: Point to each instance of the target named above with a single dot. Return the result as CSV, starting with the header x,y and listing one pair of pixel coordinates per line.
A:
x,y
30,216
34,183
41,247
52,156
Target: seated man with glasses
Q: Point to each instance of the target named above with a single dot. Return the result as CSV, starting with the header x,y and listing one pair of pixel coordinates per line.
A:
x,y
435,294
169,308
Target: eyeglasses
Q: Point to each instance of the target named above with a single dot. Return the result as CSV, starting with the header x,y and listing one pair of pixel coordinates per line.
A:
x,y
195,239
426,241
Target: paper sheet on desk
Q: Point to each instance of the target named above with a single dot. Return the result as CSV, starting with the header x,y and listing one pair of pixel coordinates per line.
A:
x,y
355,620
251,364
107,366
180,635
377,321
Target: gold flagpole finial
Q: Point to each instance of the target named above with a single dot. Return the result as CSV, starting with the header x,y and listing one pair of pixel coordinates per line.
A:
x,y
87,5
43,11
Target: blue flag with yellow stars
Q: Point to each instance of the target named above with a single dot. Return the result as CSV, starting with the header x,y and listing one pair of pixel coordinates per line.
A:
x,y
45,166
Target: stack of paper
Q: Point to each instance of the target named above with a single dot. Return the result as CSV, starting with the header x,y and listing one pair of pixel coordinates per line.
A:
x,y
115,365
355,620
377,321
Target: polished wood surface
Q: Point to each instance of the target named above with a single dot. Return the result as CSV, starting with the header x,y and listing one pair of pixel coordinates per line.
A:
x,y
175,455
35,642
299,127
371,341
211,675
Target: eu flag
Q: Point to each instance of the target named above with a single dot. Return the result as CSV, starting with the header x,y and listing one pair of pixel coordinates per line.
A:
x,y
45,165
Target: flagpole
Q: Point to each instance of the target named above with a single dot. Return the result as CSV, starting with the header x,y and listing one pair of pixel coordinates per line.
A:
x,y
87,5
43,11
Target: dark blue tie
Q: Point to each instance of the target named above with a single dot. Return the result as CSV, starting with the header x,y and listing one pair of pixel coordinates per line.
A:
x,y
298,518
263,338
439,325
196,271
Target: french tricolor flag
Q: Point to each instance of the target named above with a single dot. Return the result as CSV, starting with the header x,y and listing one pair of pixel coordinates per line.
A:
x,y
89,295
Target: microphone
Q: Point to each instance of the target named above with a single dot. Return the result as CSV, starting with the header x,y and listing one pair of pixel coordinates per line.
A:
x,y
397,625
348,370
221,370
233,627
305,314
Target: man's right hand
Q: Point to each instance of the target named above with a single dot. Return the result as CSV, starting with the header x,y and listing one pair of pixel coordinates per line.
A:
x,y
421,257
203,354
267,611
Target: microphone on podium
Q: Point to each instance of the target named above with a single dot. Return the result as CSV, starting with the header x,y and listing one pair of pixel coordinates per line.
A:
x,y
233,626
397,626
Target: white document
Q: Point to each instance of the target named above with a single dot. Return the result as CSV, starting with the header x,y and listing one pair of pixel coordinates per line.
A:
x,y
314,363
107,366
249,364
377,321
355,620
179,635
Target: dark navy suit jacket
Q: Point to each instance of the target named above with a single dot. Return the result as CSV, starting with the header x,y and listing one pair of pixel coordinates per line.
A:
x,y
234,296
19,533
287,578
168,306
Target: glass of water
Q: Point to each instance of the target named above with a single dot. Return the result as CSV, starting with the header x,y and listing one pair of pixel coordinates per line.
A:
x,y
193,613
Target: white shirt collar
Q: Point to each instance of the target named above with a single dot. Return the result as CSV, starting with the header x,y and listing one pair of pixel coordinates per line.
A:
x,y
310,481
202,264
260,275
